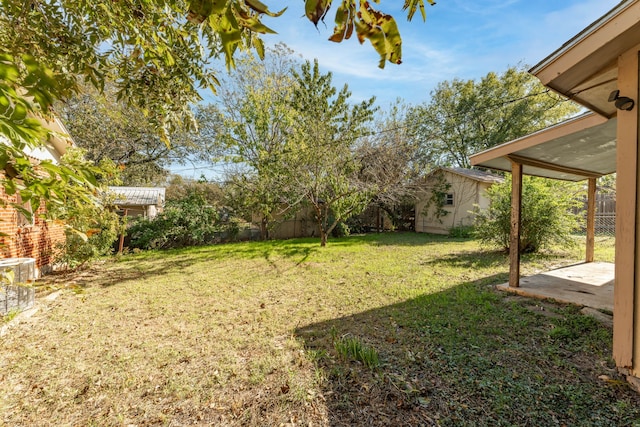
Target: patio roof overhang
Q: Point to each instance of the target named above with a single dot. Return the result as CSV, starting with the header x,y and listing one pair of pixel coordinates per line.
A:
x,y
577,149
587,69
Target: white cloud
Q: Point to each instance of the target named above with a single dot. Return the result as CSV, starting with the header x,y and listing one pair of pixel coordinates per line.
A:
x,y
461,39
487,7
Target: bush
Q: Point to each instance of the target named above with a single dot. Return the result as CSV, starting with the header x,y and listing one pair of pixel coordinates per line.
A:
x,y
341,229
462,231
185,222
356,225
91,228
89,239
546,217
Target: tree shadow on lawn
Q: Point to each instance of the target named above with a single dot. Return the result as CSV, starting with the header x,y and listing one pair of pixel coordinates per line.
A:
x,y
469,259
495,258
123,270
160,263
403,238
470,356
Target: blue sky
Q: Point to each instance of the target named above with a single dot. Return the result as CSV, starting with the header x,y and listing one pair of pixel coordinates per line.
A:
x,y
462,39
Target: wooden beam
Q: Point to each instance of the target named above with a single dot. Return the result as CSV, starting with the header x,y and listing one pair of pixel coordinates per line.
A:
x,y
527,161
591,219
514,239
626,205
121,242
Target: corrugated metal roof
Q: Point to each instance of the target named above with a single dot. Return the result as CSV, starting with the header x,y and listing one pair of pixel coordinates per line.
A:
x,y
138,196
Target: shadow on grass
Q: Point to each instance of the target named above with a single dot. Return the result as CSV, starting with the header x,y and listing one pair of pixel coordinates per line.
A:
x,y
469,259
148,264
393,239
470,356
159,263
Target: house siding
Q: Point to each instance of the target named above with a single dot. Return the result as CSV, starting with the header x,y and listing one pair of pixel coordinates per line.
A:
x,y
38,240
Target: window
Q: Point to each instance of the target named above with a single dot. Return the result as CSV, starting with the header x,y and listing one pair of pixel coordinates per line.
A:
x,y
448,199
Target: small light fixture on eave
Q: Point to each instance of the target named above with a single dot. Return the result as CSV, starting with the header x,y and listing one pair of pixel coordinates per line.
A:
x,y
621,102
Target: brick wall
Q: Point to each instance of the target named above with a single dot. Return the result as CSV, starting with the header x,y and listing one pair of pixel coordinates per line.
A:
x,y
37,240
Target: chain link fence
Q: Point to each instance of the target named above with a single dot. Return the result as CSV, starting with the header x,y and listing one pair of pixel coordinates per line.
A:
x,y
605,215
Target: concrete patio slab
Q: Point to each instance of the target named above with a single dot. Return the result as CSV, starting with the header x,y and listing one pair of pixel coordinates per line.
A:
x,y
587,284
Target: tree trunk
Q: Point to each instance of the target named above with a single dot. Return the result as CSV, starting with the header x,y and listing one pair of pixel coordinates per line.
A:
x,y
264,229
323,238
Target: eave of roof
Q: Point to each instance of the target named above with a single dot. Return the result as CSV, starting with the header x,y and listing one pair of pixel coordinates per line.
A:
x,y
585,68
138,196
476,175
579,148
59,136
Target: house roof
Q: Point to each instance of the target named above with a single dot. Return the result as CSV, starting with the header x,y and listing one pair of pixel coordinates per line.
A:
x,y
585,69
138,196
474,174
576,149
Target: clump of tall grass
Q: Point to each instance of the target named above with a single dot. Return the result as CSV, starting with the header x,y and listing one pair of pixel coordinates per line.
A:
x,y
351,348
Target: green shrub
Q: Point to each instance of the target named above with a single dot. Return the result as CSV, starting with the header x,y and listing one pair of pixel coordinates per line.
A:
x,y
89,238
341,229
462,231
546,217
91,229
185,222
356,225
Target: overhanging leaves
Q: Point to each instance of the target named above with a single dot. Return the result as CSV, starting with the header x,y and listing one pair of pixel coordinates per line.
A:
x,y
382,32
316,10
379,28
411,5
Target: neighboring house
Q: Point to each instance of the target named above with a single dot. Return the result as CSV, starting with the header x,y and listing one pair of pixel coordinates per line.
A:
x,y
146,202
461,189
33,241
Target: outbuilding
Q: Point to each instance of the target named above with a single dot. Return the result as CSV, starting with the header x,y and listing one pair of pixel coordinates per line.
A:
x,y
449,197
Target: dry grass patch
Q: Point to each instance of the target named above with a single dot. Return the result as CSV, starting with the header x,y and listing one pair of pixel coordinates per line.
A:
x,y
245,334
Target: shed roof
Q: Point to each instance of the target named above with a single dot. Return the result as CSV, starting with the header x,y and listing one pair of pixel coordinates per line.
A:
x,y
475,174
576,149
138,196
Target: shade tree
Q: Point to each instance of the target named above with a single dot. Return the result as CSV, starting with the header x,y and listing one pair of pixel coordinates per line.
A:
x,y
158,54
110,129
464,117
257,121
323,162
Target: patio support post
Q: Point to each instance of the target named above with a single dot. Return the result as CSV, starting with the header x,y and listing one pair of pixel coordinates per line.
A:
x,y
591,219
625,309
514,239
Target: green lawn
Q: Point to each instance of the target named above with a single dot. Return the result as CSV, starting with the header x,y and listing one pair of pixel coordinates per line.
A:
x,y
393,329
